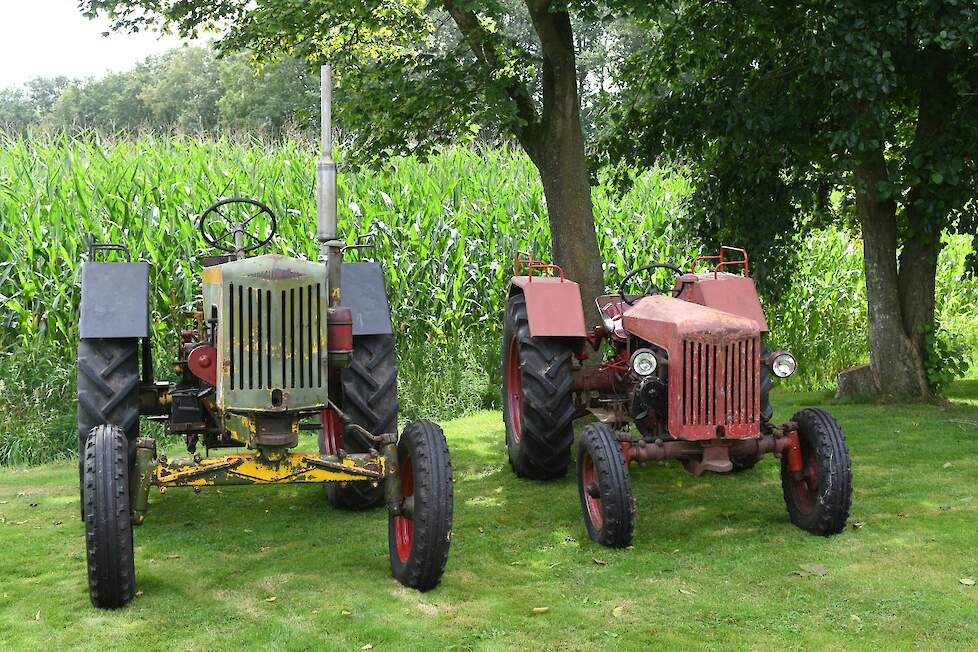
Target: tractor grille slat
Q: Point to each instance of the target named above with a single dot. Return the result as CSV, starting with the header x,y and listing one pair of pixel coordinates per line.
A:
x,y
720,382
262,324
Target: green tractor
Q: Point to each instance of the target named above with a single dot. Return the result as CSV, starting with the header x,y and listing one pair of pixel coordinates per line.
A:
x,y
278,345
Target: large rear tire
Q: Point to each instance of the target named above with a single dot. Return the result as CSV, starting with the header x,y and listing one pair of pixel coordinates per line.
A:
x,y
108,525
819,501
369,398
419,541
108,384
605,487
538,397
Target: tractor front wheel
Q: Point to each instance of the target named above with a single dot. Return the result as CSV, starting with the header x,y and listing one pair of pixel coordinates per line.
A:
x,y
108,526
538,397
419,537
819,500
605,487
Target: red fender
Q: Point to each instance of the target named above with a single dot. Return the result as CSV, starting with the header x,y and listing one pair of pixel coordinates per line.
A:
x,y
553,305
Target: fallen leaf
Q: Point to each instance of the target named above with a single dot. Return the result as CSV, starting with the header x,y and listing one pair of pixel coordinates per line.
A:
x,y
902,515
856,525
599,562
687,591
540,610
814,569
616,612
855,618
271,598
368,646
947,465
172,557
21,522
265,548
139,594
37,616
344,612
967,581
554,565
247,530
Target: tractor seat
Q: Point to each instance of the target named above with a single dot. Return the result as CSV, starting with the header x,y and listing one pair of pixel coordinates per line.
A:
x,y
612,308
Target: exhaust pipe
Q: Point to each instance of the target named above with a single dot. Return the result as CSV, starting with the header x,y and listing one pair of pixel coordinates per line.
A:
x,y
330,246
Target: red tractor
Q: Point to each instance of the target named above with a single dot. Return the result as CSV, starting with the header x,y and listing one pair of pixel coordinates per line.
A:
x,y
683,375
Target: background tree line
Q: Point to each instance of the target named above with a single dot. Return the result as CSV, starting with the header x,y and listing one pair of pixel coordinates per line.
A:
x,y
187,89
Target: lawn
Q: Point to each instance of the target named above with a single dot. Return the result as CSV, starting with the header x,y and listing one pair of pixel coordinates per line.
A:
x,y
715,565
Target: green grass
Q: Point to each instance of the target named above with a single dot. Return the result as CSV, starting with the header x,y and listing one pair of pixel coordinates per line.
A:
x,y
713,566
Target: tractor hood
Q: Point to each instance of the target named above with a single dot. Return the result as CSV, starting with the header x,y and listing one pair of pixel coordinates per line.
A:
x,y
666,322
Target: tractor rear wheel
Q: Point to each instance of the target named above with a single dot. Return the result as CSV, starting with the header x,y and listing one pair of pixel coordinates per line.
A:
x,y
605,487
819,501
538,397
419,538
108,525
108,382
370,399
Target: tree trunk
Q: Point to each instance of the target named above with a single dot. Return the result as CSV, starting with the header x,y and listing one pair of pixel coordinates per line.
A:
x,y
896,367
557,150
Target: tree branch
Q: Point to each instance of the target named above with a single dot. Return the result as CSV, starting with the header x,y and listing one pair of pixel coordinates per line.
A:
x,y
481,43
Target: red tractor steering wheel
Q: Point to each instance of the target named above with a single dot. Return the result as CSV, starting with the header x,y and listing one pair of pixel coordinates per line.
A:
x,y
652,287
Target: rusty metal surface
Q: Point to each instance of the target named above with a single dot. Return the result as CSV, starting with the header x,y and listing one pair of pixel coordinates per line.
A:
x,y
714,365
255,469
730,293
553,306
712,454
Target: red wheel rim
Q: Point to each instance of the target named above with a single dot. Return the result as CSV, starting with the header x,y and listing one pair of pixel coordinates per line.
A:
x,y
404,525
514,390
806,488
589,479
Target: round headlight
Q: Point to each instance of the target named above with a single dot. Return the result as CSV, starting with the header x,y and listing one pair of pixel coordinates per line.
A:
x,y
783,365
644,362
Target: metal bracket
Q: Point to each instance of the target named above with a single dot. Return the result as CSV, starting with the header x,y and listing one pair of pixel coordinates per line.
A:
x,y
94,246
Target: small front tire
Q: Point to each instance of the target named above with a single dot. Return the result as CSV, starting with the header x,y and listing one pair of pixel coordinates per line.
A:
x,y
419,541
819,501
605,487
108,525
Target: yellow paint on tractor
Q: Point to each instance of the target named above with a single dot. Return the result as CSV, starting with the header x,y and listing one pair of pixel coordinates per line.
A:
x,y
252,468
212,274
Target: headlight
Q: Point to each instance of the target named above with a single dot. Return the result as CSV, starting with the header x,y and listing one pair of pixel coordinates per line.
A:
x,y
644,362
783,365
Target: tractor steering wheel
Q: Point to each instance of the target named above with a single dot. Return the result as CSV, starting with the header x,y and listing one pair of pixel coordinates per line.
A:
x,y
225,223
652,287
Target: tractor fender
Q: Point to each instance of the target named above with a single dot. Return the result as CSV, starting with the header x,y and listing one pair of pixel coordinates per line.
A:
x,y
365,293
114,300
553,305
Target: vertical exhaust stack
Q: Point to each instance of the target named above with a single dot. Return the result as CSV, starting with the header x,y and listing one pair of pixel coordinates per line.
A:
x,y
339,319
329,244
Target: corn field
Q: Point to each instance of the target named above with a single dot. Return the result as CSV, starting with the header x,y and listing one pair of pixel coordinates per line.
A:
x,y
446,231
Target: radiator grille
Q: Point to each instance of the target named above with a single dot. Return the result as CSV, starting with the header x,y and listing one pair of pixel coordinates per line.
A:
x,y
721,382
274,337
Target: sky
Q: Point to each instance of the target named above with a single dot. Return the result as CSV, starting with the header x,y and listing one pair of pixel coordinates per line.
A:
x,y
47,38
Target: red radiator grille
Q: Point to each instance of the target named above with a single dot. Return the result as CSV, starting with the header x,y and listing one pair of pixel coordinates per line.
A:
x,y
720,383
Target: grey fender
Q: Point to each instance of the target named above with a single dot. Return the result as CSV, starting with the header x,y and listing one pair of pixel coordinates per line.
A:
x,y
365,293
114,300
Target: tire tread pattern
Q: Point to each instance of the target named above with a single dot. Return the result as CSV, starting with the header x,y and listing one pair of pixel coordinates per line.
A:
x,y
543,452
599,442
370,399
831,509
425,442
108,525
